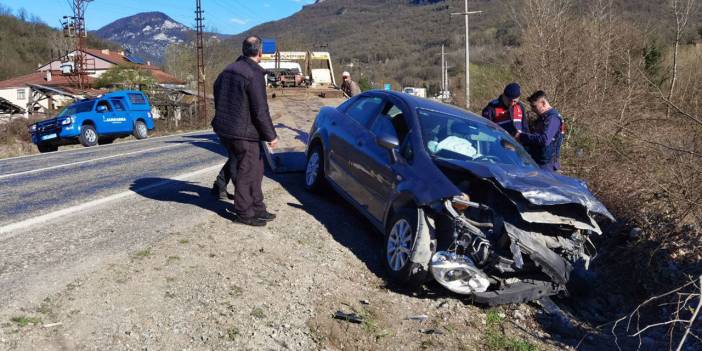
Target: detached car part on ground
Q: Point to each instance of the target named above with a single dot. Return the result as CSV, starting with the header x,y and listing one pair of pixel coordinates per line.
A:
x,y
457,198
96,121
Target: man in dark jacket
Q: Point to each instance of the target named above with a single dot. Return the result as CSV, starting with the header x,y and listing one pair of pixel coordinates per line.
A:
x,y
507,111
242,121
544,141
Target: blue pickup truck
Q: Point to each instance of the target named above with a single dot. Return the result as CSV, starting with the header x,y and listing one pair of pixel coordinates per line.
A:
x,y
95,121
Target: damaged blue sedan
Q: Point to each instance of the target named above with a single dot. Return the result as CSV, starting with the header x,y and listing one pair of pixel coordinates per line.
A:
x,y
457,199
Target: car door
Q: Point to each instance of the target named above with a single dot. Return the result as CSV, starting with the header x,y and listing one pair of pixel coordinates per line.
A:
x,y
104,121
344,137
122,118
376,170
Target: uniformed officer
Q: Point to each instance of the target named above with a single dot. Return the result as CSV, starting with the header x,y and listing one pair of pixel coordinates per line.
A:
x,y
507,111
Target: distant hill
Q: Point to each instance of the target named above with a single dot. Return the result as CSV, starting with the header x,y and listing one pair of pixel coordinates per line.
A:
x,y
399,41
147,35
25,45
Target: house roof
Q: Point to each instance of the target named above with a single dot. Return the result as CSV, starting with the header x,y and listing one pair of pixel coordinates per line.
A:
x,y
58,79
40,78
163,77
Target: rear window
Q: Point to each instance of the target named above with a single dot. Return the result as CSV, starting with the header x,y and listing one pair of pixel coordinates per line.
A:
x,y
137,99
119,106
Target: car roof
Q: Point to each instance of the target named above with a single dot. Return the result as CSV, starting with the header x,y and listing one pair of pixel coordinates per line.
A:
x,y
416,102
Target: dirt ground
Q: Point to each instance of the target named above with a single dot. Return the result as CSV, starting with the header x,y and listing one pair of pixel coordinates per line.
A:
x,y
222,286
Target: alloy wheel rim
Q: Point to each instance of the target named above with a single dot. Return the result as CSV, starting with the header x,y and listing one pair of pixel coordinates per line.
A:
x,y
312,169
398,249
90,135
142,130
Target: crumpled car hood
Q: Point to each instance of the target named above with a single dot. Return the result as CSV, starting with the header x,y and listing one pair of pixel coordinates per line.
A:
x,y
539,187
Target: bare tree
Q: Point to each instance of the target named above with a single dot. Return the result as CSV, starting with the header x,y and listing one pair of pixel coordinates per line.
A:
x,y
681,11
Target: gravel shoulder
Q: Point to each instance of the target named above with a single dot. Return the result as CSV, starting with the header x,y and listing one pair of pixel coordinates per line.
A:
x,y
208,283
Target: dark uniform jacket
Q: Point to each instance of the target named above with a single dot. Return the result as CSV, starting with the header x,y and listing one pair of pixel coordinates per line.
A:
x,y
510,118
545,140
241,106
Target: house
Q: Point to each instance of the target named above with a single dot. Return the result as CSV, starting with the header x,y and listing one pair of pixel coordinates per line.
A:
x,y
99,61
49,87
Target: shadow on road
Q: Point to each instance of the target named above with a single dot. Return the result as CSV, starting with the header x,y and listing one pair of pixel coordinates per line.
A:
x,y
301,134
184,192
208,142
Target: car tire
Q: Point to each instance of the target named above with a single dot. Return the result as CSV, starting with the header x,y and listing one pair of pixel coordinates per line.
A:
x,y
314,169
400,236
140,130
47,148
88,136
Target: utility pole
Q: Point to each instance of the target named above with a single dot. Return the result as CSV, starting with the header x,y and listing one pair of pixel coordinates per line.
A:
x,y
200,43
74,27
466,14
443,71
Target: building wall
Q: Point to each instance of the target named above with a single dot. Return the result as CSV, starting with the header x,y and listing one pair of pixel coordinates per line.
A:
x,y
11,95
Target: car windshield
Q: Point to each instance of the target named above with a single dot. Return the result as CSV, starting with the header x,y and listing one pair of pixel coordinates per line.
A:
x,y
77,108
457,138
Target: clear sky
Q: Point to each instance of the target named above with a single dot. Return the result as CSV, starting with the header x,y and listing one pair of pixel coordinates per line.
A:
x,y
225,16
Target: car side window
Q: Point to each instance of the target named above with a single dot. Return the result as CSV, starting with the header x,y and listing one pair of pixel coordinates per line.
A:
x,y
119,106
391,121
104,103
365,109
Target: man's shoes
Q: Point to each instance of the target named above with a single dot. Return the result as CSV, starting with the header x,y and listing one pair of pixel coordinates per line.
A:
x,y
265,216
252,221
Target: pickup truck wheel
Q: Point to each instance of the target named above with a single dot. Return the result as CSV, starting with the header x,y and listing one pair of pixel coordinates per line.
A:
x,y
88,136
47,148
140,130
314,170
400,237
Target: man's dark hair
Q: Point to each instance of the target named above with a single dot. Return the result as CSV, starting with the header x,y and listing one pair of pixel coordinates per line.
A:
x,y
251,46
536,96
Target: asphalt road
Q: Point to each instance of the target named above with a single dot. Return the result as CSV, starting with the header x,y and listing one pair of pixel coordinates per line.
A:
x,y
36,185
62,213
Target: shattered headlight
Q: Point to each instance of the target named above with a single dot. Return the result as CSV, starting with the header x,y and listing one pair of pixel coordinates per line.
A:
x,y
458,273
460,202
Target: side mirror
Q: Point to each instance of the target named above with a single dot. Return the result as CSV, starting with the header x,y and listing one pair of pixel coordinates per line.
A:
x,y
101,109
390,143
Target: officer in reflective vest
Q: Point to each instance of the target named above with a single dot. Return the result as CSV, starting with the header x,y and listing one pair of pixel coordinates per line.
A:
x,y
547,132
507,111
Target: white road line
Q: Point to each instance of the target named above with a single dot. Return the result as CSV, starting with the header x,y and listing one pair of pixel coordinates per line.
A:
x,y
88,161
7,229
100,147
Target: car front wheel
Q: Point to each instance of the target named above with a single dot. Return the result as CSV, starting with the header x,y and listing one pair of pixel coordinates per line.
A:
x,y
140,130
314,170
88,136
400,238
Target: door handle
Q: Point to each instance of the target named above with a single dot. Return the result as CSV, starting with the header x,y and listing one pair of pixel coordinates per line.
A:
x,y
333,123
359,142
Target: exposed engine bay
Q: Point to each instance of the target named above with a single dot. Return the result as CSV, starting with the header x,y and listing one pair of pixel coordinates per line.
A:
x,y
501,246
